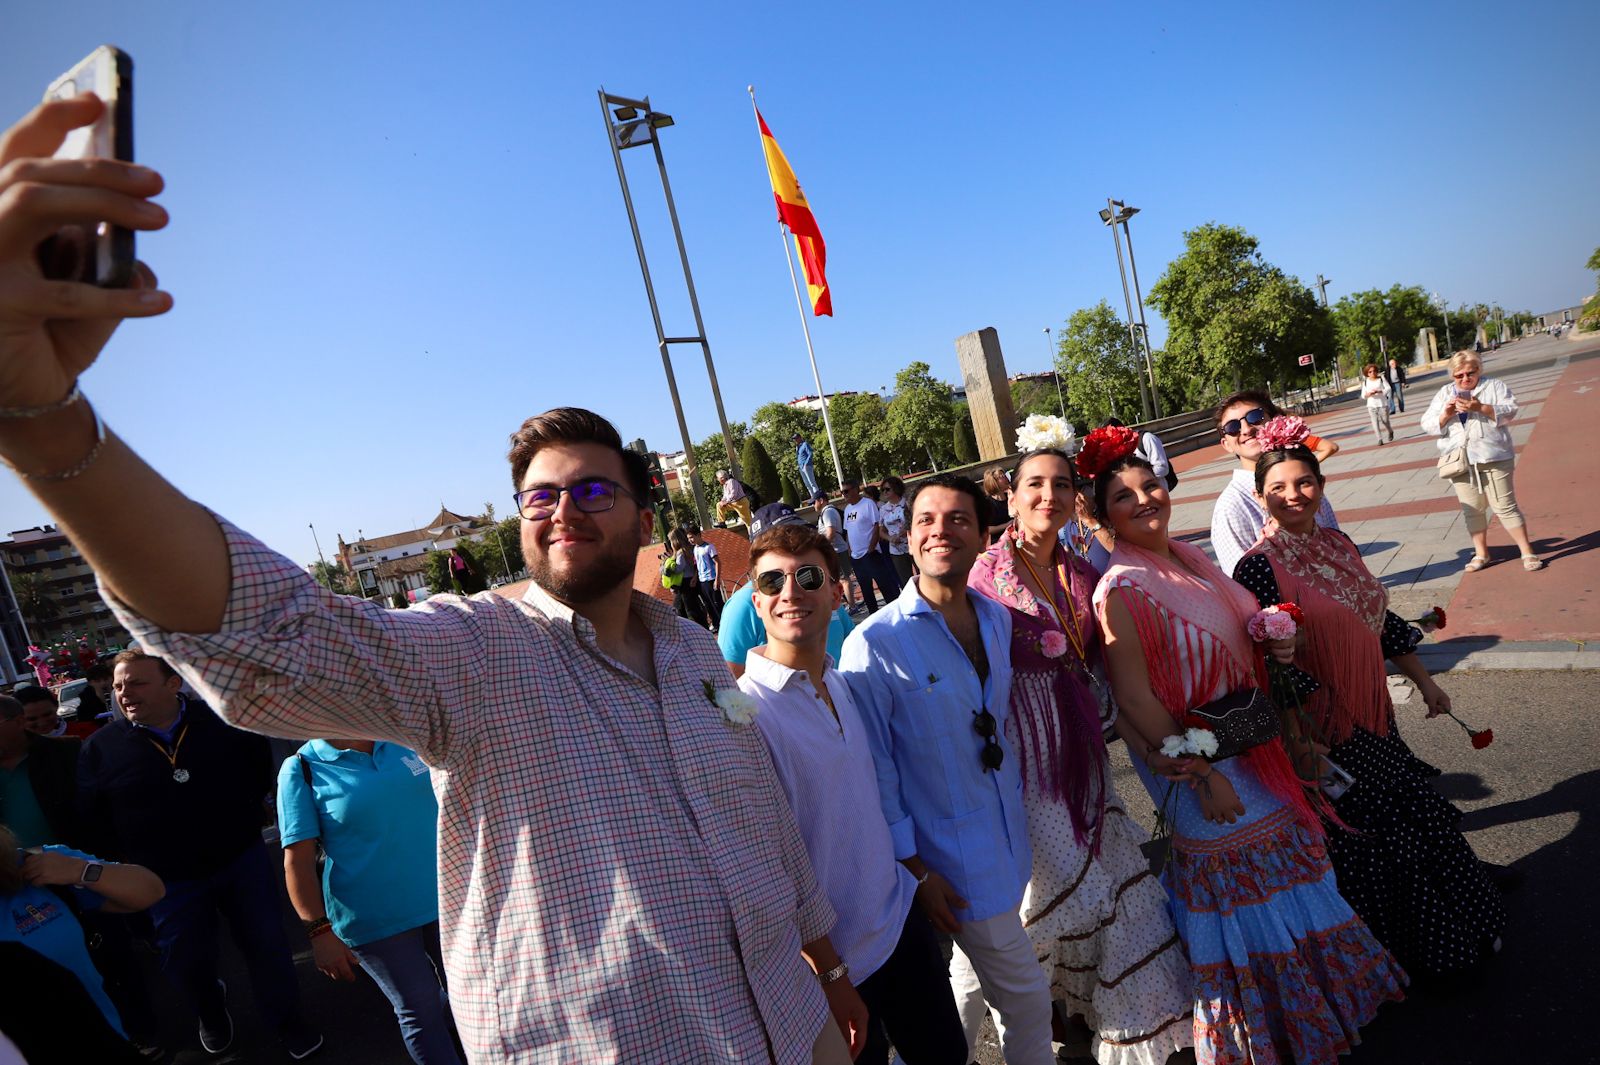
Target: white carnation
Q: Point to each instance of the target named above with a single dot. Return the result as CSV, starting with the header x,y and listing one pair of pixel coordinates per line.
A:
x,y
736,706
1046,431
1173,746
1202,741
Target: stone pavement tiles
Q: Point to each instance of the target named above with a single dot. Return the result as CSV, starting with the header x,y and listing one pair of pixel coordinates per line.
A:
x,y
1408,523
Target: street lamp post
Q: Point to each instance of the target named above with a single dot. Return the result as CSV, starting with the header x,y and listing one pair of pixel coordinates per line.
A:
x,y
633,124
320,558
1117,213
1322,291
1444,305
1054,372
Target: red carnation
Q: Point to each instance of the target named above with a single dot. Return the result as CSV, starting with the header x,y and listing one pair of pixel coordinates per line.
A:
x,y
1480,740
1293,611
1104,447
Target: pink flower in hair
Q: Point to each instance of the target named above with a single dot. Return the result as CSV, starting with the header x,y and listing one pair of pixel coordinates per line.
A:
x,y
1282,433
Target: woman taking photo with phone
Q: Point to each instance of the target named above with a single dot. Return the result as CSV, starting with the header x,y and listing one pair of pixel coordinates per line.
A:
x,y
1097,919
1283,969
1403,866
1470,417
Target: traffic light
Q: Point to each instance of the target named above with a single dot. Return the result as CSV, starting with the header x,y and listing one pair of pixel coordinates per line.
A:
x,y
660,497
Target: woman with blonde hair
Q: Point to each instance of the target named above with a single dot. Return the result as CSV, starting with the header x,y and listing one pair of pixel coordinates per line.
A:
x,y
1470,416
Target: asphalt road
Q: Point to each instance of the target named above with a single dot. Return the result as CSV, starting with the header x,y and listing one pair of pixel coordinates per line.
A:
x,y
1531,800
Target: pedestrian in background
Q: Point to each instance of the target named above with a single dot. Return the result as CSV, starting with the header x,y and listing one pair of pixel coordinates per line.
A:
x,y
1395,374
892,513
370,806
996,514
1376,392
708,573
1471,415
678,568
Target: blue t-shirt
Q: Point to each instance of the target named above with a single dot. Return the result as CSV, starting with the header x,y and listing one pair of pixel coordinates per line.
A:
x,y
741,629
378,822
43,923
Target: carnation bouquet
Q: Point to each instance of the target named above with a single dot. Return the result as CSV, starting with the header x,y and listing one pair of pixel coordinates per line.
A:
x,y
1282,621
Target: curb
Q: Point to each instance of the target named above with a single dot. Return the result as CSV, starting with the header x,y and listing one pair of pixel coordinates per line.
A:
x,y
1465,655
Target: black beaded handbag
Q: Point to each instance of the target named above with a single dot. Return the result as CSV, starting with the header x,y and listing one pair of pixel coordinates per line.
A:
x,y
1240,720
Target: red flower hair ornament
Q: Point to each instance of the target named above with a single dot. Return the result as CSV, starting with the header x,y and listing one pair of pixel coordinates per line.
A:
x,y
1283,433
1104,447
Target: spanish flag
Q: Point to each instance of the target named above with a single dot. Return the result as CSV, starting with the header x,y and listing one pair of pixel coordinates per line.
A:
x,y
794,212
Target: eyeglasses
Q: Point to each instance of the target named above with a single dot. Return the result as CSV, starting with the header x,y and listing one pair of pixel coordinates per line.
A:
x,y
772,581
1233,426
984,724
592,495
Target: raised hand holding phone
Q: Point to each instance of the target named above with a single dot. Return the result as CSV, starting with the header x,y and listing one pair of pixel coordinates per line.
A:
x,y
52,329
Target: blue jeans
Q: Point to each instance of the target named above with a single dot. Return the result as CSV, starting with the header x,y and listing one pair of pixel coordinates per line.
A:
x,y
246,893
872,568
808,474
409,970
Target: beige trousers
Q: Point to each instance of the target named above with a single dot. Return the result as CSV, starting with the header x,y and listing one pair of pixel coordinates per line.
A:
x,y
1488,485
830,1047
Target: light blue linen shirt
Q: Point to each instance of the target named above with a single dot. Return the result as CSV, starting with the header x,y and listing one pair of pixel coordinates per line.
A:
x,y
917,693
826,770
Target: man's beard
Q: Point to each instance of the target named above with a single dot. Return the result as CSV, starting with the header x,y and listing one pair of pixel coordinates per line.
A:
x,y
615,566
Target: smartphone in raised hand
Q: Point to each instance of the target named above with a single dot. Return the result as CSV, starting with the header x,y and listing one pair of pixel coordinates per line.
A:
x,y
103,255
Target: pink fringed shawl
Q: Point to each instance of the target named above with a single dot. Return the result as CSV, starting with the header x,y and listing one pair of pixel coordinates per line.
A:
x,y
1345,605
1173,605
1058,735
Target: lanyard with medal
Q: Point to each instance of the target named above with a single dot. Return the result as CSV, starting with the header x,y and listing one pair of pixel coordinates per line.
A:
x,y
180,775
1069,623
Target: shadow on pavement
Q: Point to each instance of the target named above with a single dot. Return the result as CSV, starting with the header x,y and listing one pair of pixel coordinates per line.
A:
x,y
1553,548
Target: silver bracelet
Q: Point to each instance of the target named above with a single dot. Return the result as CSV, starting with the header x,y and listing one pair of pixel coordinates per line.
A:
x,y
838,972
78,467
72,397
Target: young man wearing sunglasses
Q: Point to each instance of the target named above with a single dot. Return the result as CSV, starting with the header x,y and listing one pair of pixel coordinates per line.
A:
x,y
931,675
1238,518
820,750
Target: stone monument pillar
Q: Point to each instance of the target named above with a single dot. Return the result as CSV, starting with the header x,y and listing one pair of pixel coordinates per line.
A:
x,y
983,372
1427,346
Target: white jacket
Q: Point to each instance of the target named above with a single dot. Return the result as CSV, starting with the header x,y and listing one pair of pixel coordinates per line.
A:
x,y
1486,439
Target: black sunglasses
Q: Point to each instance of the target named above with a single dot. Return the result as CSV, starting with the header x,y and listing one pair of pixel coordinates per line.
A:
x,y
592,495
809,578
1233,426
984,724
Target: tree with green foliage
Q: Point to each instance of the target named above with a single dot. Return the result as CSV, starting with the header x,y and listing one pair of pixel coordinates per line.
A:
x,y
759,470
1036,396
1589,320
1099,366
498,546
777,424
1365,321
966,442
334,577
866,450
34,600
920,418
399,601
791,495
1234,317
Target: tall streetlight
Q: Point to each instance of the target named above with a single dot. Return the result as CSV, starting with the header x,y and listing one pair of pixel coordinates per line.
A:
x,y
1444,305
1322,291
634,124
1113,214
320,558
1051,348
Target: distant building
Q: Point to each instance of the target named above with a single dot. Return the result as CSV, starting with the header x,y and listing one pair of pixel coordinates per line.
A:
x,y
68,585
815,402
1564,316
398,562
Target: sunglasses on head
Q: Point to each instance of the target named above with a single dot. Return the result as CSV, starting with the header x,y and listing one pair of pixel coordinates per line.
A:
x,y
984,724
1233,426
809,578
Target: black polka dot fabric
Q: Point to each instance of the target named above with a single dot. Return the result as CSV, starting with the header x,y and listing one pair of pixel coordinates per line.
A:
x,y
1401,862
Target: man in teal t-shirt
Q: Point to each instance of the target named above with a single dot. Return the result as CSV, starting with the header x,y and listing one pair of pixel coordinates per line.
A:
x,y
741,628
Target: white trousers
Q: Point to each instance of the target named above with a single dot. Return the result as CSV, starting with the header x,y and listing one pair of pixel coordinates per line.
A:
x,y
994,963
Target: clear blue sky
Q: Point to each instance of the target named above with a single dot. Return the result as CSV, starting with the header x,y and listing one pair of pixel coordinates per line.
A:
x,y
397,231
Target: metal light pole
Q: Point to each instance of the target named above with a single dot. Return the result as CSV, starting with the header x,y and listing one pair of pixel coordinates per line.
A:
x,y
320,558
1138,302
1444,304
1111,217
1322,290
633,124
1054,372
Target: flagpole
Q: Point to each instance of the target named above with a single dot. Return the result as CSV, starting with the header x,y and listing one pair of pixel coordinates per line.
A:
x,y
805,327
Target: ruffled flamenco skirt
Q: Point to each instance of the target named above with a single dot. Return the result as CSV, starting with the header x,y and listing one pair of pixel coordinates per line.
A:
x,y
1284,971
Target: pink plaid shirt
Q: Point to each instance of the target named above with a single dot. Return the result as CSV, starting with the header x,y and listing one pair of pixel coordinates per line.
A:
x,y
620,875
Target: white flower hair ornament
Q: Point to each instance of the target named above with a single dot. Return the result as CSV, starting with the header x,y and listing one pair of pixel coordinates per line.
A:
x,y
1043,431
736,706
